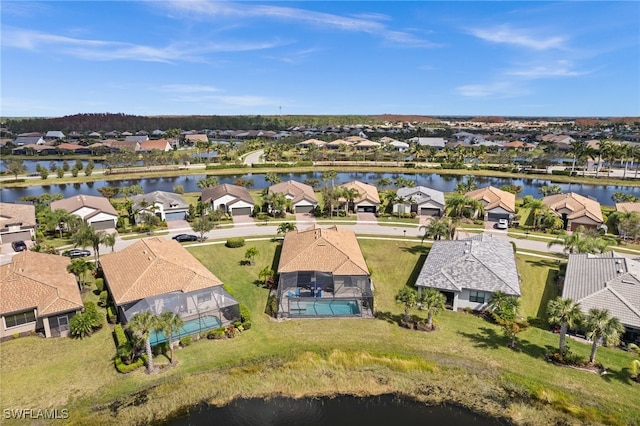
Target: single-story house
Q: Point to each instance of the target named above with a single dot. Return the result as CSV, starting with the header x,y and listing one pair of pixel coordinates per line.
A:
x,y
628,207
368,201
336,144
94,211
159,275
28,140
322,273
420,200
303,199
311,142
53,135
434,142
167,206
122,145
38,295
469,271
399,146
155,144
366,145
75,148
193,139
498,204
231,199
575,210
17,222
138,138
608,281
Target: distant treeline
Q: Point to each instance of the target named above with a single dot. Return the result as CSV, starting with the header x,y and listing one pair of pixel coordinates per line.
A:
x,y
123,122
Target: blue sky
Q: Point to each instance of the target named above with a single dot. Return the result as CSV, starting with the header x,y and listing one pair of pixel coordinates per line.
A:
x,y
359,57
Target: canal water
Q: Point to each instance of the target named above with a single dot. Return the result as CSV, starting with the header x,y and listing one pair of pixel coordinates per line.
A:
x,y
445,183
383,410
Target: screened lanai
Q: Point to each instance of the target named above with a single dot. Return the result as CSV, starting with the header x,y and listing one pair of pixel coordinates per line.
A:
x,y
314,294
201,310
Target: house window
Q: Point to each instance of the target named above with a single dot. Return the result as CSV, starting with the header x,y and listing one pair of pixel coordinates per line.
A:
x,y
204,297
477,296
19,319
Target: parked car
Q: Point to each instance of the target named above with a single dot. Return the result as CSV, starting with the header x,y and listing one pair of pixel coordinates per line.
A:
x,y
502,224
19,246
185,237
75,253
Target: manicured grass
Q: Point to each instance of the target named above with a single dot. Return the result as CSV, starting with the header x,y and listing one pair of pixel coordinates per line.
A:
x,y
466,361
537,284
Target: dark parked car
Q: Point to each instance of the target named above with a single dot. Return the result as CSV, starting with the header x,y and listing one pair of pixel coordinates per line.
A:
x,y
19,246
185,237
75,253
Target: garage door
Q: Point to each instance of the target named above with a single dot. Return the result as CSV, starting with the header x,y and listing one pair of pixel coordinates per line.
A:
x,y
174,216
16,236
429,212
241,211
366,209
304,209
497,216
103,224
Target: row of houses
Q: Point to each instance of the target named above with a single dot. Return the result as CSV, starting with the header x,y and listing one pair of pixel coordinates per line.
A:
x,y
28,146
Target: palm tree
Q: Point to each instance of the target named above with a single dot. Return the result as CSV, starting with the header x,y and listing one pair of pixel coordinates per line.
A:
x,y
264,274
468,185
85,236
437,229
329,175
272,178
285,227
79,268
600,325
536,207
578,151
349,194
109,240
142,324
567,314
432,301
208,182
408,298
170,323
251,254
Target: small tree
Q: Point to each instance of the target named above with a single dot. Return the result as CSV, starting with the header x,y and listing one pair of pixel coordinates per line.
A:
x,y
285,227
265,274
79,268
170,324
432,301
600,325
142,324
80,325
251,254
15,167
565,313
202,225
408,298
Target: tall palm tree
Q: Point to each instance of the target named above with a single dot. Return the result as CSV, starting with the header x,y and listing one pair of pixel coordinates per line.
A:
x,y
567,314
349,195
408,298
86,236
109,240
79,268
170,323
142,324
600,325
536,207
437,229
578,151
432,301
329,176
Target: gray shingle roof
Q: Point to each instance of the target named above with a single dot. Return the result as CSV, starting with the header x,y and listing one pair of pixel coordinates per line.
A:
x,y
422,194
479,263
169,200
605,281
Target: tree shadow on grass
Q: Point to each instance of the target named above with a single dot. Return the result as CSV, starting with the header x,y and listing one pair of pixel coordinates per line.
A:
x,y
489,338
623,376
411,281
417,249
389,317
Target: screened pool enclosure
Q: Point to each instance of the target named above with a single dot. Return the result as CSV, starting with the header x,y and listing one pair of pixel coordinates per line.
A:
x,y
321,294
201,310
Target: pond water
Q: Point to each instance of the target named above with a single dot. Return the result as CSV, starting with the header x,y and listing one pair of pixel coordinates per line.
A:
x,y
339,411
445,183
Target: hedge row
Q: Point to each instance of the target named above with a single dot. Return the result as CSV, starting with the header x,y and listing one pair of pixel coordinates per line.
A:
x,y
111,315
128,368
225,166
121,337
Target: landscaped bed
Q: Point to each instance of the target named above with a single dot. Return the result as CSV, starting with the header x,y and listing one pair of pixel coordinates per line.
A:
x,y
465,361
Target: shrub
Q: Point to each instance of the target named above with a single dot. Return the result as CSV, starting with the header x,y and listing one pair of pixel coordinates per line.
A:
x,y
231,331
186,341
128,368
218,333
92,314
178,189
272,306
120,336
80,326
235,242
100,284
111,315
16,335
103,298
245,317
161,348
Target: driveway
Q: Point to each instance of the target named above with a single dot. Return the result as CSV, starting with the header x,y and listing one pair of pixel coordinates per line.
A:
x,y
305,220
178,224
242,220
369,218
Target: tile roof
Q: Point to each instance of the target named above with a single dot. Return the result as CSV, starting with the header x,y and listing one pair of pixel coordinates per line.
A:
x,y
334,250
607,281
14,214
421,194
494,197
628,207
296,190
152,267
38,280
479,263
161,144
216,192
73,204
197,138
578,205
367,192
315,142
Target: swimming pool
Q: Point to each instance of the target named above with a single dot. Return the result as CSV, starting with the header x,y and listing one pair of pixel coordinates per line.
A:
x,y
323,308
190,327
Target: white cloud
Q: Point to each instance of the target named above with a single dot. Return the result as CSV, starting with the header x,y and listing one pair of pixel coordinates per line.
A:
x,y
504,89
525,38
545,72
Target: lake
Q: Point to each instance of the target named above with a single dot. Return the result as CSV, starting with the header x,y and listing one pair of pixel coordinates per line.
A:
x,y
339,411
445,183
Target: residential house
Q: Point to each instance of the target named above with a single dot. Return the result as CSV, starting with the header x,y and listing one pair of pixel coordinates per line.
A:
x,y
66,148
122,145
469,271
303,199
53,135
193,139
38,295
367,201
322,273
159,275
311,142
231,199
498,204
32,149
168,206
606,281
155,144
366,145
575,210
28,140
94,211
420,200
628,207
519,146
17,222
338,143
434,142
137,138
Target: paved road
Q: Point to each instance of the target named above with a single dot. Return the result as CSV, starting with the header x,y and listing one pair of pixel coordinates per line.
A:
x,y
254,157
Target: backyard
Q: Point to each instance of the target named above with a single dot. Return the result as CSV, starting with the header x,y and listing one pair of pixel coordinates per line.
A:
x,y
466,361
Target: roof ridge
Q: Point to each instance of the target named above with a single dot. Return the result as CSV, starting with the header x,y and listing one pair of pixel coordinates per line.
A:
x,y
623,300
492,271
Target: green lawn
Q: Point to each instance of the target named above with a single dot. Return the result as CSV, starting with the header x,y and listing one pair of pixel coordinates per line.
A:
x,y
466,361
